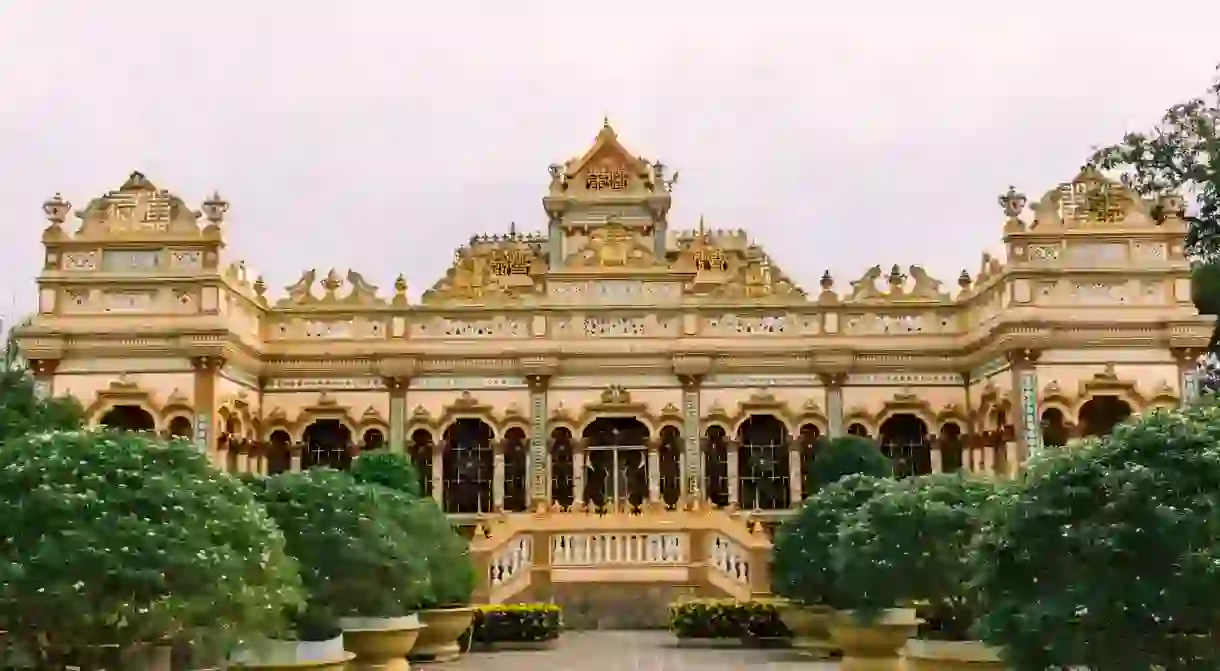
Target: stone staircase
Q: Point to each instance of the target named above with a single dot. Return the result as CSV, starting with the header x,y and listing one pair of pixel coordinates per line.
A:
x,y
620,569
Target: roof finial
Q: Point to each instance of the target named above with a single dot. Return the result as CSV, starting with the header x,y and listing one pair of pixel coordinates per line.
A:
x,y
702,229
605,121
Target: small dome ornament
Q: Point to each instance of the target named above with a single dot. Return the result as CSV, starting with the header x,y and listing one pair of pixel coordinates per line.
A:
x,y
400,284
56,209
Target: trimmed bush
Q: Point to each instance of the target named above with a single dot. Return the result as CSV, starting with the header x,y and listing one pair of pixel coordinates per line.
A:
x,y
115,538
802,564
726,619
1107,555
517,623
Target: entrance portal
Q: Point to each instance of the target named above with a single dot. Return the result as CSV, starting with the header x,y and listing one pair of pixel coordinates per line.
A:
x,y
616,462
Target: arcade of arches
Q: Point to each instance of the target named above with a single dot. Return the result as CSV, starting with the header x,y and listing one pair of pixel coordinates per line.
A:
x,y
616,462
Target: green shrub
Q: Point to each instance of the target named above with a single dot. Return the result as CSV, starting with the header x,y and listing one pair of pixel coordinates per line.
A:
x,y
120,539
22,412
911,543
847,455
1107,555
388,469
517,623
1205,287
355,559
726,618
802,565
446,554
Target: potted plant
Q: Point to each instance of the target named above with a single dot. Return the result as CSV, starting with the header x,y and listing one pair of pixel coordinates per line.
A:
x,y
358,563
911,544
445,609
800,572
1103,556
117,543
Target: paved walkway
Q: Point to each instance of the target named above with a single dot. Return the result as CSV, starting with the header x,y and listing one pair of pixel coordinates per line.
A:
x,y
632,651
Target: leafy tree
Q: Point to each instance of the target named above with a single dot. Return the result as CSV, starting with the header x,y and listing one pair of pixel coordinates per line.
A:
x,y
848,455
1182,154
388,469
22,412
1107,555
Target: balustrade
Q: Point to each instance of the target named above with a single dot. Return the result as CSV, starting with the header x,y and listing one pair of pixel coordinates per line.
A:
x,y
619,548
515,557
729,559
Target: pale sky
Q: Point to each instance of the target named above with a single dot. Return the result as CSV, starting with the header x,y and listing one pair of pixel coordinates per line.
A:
x,y
380,135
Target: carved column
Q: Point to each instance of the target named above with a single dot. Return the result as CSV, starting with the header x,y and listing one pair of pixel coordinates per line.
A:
x,y
206,370
538,435
295,457
497,476
398,412
834,402
654,470
938,459
44,377
692,456
795,491
1026,424
1187,359
242,462
734,485
578,472
438,473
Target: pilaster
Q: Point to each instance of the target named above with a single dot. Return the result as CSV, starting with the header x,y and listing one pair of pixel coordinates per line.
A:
x,y
938,459
734,485
206,370
1187,359
834,402
294,457
578,472
654,470
538,414
1026,424
692,457
438,473
44,377
497,476
795,486
398,412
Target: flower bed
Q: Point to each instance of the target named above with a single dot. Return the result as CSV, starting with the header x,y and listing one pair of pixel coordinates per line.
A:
x,y
510,625
726,619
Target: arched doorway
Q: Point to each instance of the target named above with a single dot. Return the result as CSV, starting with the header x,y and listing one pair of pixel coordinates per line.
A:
x,y
762,463
1100,414
128,418
810,437
716,465
563,483
420,449
616,450
904,439
373,439
951,445
670,466
468,463
181,427
326,445
1054,428
516,451
857,429
279,458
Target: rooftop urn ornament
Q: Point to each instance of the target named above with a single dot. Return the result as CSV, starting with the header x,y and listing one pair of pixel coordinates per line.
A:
x,y
827,281
56,209
400,284
1013,203
215,207
964,281
260,287
896,279
331,283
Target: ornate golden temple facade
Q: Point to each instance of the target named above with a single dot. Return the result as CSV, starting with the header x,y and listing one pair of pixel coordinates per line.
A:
x,y
615,363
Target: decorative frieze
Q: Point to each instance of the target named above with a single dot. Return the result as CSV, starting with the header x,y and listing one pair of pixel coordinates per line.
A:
x,y
343,328
326,384
1045,252
762,381
495,327
131,260
1145,252
614,292
1097,254
602,381
185,259
238,376
84,261
439,383
616,326
780,323
904,379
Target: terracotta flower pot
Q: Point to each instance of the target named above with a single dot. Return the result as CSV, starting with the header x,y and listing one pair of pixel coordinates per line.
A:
x,y
380,643
438,640
810,627
873,645
921,655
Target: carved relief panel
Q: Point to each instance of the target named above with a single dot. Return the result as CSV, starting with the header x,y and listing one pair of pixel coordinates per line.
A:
x,y
329,328
614,292
616,326
180,300
769,323
500,326
898,323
